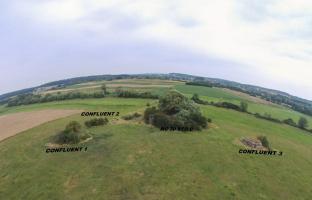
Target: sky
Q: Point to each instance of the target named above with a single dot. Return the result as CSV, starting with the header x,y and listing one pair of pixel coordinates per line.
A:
x,y
262,42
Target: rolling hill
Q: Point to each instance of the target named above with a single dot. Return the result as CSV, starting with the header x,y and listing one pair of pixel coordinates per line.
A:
x,y
128,159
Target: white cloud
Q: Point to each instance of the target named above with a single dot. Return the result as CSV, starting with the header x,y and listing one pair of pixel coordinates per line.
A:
x,y
271,36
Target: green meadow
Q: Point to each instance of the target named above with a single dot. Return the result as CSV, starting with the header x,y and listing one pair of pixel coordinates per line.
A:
x,y
132,160
217,94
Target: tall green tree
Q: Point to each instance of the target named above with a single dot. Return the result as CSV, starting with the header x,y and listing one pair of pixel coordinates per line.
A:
x,y
303,123
104,88
243,106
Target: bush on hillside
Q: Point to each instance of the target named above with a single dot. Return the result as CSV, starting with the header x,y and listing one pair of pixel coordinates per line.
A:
x,y
148,113
303,123
290,122
96,122
132,94
72,134
26,99
196,99
267,117
131,116
264,141
175,110
243,106
228,105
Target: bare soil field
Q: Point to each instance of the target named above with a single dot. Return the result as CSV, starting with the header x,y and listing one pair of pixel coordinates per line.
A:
x,y
13,124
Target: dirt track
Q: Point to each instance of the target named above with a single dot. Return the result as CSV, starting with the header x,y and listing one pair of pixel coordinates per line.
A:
x,y
12,124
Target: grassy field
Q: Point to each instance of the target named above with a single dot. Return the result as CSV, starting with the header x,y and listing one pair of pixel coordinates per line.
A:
x,y
104,104
217,94
142,85
131,160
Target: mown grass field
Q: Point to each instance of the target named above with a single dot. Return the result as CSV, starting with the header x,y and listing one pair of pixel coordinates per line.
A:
x,y
127,160
155,86
105,104
217,94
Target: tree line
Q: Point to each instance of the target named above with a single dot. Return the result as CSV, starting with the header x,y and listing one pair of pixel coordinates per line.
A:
x,y
273,96
25,99
30,98
243,107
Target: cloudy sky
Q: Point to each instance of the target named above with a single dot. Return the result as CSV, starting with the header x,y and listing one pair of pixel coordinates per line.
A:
x,y
261,42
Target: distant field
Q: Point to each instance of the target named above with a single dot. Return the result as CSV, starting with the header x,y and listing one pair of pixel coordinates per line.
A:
x,y
143,84
106,104
254,105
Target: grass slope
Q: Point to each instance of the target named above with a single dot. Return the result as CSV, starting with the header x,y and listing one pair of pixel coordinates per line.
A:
x,y
217,94
104,104
133,161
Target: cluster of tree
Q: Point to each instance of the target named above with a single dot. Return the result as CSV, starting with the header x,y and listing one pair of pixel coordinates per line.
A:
x,y
175,110
72,134
196,99
26,99
133,94
268,117
290,122
201,83
302,122
243,107
131,116
96,122
227,105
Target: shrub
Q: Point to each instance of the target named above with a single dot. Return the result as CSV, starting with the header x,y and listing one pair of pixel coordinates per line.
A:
x,y
175,110
303,123
71,134
96,122
132,94
196,99
243,106
228,105
268,117
26,99
161,120
150,111
172,103
290,122
264,141
68,138
129,117
73,127
200,83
